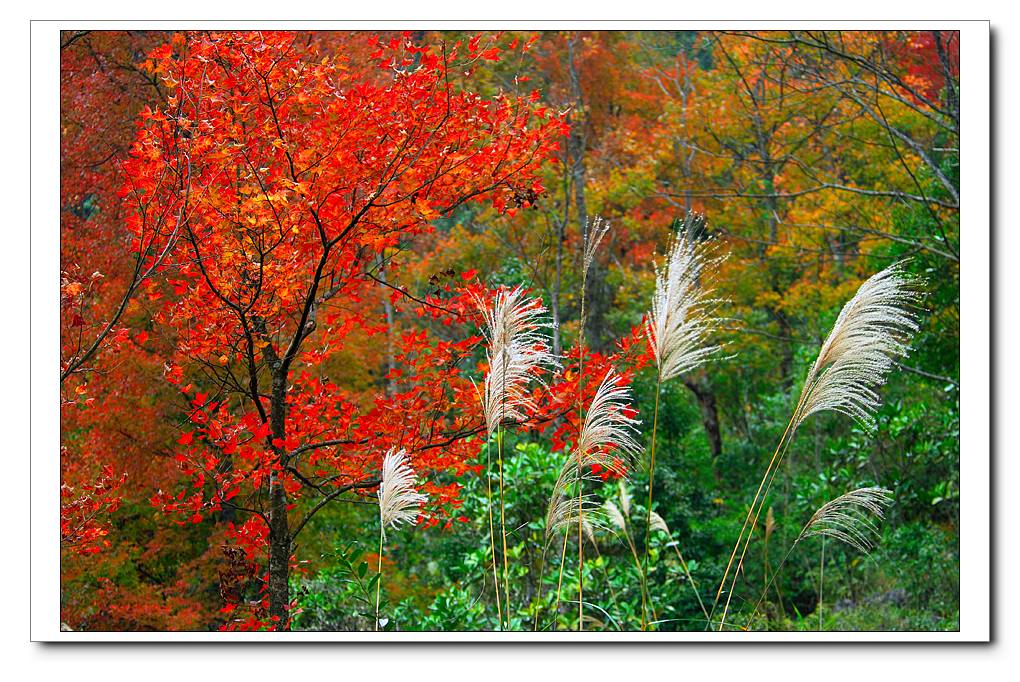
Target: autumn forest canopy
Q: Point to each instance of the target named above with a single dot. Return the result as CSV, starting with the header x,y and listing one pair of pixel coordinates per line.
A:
x,y
542,331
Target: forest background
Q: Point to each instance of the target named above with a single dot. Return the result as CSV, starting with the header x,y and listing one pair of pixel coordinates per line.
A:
x,y
817,158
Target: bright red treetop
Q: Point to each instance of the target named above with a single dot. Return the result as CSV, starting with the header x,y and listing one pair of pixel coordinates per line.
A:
x,y
297,169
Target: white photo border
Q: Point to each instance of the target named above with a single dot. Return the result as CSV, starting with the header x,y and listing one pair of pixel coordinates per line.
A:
x,y
975,340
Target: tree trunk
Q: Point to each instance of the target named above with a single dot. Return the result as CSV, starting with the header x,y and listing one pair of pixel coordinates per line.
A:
x,y
558,283
597,295
785,347
279,529
279,556
709,412
391,362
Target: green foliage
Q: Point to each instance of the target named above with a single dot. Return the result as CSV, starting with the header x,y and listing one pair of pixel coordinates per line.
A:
x,y
909,582
340,597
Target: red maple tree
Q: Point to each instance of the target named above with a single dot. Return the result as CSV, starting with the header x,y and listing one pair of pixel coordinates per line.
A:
x,y
274,194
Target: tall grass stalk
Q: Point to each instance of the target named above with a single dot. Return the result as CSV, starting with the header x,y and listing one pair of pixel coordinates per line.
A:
x,y
559,581
605,574
678,326
580,472
378,582
848,518
567,525
592,238
607,440
516,353
492,533
621,523
562,514
821,582
619,520
541,578
873,328
770,528
643,566
398,502
750,524
658,523
500,434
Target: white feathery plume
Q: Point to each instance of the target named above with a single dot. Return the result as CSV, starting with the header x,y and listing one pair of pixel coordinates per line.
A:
x,y
398,499
563,513
872,329
849,517
625,498
596,232
607,439
658,523
682,315
615,516
607,435
516,352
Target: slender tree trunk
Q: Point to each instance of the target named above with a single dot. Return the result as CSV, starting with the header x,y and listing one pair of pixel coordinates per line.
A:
x,y
391,362
786,348
577,141
561,225
279,528
705,396
597,295
279,555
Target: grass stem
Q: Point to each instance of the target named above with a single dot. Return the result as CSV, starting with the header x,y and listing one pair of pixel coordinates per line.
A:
x,y
378,582
645,596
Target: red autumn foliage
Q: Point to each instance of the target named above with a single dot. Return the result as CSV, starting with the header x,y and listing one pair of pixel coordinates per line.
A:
x,y
84,511
273,194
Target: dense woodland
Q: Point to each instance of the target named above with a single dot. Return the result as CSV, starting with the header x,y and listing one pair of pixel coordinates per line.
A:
x,y
373,331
